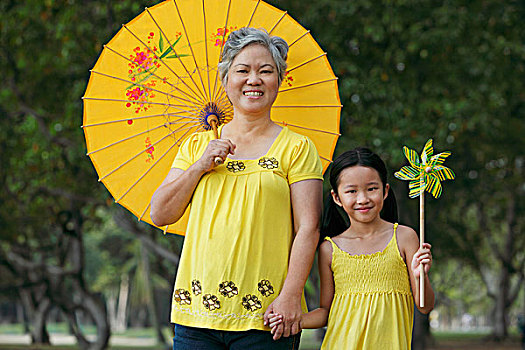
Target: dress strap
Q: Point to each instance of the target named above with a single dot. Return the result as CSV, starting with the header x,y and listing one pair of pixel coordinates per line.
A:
x,y
394,240
395,228
329,239
334,246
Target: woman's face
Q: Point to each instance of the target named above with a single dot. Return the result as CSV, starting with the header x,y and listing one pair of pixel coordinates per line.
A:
x,y
253,81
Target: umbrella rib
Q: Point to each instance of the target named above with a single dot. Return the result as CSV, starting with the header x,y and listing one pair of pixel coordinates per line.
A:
x,y
149,203
224,98
299,38
141,152
144,103
141,177
222,46
124,139
307,85
279,21
206,47
169,149
311,129
178,121
137,118
178,56
325,159
167,66
192,53
253,13
152,73
145,87
302,64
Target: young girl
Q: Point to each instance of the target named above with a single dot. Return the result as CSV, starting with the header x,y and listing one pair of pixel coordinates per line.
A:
x,y
369,269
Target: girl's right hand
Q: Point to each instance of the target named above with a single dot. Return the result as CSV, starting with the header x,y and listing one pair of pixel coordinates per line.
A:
x,y
219,148
274,320
422,256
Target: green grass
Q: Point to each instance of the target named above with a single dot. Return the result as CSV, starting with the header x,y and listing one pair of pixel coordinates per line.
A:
x,y
458,335
65,347
308,340
62,328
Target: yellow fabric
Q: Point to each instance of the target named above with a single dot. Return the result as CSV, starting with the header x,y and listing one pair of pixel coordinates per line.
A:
x,y
373,306
239,236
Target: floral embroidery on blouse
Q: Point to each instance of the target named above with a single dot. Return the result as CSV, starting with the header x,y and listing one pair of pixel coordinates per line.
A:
x,y
196,287
251,302
211,302
268,163
228,289
235,166
182,297
266,288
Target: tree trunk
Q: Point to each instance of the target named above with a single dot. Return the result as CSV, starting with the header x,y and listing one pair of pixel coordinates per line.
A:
x,y
122,309
421,331
39,334
151,296
94,308
21,317
500,308
111,307
36,314
504,295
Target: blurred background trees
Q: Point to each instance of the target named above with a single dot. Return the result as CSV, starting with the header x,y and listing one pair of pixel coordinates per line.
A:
x,y
453,71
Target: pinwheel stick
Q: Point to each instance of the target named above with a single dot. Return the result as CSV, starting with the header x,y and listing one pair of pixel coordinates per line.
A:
x,y
213,121
421,241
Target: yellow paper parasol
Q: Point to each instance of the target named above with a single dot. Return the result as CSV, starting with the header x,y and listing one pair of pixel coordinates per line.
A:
x,y
156,81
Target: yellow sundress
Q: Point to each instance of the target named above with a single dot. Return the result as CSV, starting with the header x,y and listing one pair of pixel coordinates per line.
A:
x,y
239,234
373,306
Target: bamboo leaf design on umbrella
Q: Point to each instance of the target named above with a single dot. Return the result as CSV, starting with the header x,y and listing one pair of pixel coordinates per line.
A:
x,y
425,173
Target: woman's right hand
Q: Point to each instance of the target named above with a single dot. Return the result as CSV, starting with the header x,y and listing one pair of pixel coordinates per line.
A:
x,y
219,148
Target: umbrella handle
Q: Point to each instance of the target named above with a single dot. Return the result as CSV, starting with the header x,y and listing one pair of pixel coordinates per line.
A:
x,y
212,120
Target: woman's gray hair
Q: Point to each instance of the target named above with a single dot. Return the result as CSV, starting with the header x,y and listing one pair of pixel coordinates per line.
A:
x,y
243,37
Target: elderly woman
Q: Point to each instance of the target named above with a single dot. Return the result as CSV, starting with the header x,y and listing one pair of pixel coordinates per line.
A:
x,y
253,222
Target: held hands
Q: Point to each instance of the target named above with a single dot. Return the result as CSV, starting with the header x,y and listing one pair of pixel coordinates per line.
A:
x,y
216,148
286,314
275,321
422,256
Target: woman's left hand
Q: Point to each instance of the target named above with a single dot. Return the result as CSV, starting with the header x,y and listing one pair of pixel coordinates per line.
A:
x,y
290,310
422,256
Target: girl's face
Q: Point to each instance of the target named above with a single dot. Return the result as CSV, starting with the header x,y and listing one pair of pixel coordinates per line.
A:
x,y
360,192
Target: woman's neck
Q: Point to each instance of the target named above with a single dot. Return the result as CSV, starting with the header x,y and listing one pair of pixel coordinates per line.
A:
x,y
246,126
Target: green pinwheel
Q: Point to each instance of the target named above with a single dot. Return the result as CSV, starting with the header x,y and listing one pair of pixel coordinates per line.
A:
x,y
425,173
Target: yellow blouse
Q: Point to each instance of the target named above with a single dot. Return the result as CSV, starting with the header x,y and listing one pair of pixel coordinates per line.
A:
x,y
373,306
239,235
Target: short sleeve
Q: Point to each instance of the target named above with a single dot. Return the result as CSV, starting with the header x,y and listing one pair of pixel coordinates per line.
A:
x,y
186,155
305,163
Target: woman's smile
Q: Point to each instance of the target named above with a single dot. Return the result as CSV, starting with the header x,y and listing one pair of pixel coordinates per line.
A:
x,y
253,93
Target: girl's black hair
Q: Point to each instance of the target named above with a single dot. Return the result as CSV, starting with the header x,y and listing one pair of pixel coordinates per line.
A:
x,y
335,220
